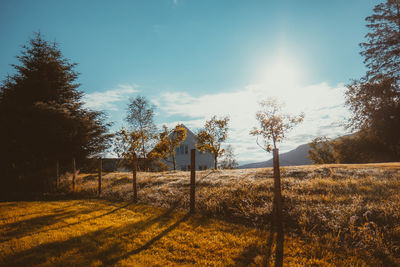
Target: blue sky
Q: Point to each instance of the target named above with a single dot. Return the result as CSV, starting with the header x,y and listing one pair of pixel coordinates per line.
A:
x,y
194,59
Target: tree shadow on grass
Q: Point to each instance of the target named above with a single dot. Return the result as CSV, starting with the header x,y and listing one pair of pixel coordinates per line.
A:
x,y
57,209
34,225
107,245
149,243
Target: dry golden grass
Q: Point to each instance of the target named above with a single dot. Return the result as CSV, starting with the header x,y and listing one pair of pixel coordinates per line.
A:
x,y
102,233
337,215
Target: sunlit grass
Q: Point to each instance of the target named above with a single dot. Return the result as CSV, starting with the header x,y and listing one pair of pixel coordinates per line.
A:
x,y
96,232
336,215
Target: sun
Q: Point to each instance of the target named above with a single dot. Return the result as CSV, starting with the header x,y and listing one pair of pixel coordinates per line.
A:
x,y
282,72
279,69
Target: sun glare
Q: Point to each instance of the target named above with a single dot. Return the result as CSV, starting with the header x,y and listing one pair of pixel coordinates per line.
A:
x,y
281,70
282,73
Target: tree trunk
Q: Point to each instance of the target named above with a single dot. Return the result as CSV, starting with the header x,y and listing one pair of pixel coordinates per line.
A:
x,y
73,174
215,161
174,162
278,210
57,175
100,173
192,180
134,178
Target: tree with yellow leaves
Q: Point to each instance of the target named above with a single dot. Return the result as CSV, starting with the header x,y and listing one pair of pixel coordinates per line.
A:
x,y
168,141
274,124
211,137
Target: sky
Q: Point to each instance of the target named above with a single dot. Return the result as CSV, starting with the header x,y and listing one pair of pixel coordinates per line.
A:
x,y
195,59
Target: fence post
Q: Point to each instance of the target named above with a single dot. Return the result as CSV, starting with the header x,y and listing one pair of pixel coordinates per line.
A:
x,y
134,169
57,175
73,174
100,170
278,210
277,180
192,179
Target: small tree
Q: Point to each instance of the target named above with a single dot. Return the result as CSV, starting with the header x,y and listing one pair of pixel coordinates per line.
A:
x,y
212,136
321,151
140,118
273,127
168,141
228,161
127,144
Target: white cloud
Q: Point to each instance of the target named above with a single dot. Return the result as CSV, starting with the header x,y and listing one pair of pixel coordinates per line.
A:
x,y
108,100
321,103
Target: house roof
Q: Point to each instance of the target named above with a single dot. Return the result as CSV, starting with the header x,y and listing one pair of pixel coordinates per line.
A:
x,y
188,131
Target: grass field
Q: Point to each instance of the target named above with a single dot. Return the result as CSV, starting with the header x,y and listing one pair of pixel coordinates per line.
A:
x,y
334,215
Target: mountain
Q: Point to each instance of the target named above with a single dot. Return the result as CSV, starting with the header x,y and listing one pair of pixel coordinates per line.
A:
x,y
297,156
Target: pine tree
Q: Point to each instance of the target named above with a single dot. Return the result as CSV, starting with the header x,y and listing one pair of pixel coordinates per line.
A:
x,y
43,119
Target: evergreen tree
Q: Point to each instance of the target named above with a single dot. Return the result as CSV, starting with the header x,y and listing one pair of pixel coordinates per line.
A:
x,y
43,119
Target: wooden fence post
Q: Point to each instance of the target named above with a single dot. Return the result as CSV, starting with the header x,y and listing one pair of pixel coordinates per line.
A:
x,y
134,169
100,170
277,180
192,180
278,210
57,175
73,174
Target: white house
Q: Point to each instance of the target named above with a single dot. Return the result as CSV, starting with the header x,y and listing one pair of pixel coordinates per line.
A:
x,y
204,160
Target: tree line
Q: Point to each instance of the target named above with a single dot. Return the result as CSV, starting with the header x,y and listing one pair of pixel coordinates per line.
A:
x,y
156,150
374,99
44,121
44,124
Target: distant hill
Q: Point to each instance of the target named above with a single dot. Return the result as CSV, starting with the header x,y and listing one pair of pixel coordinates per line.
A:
x,y
297,156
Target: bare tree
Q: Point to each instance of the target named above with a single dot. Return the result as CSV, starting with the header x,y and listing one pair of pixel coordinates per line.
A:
x,y
228,161
140,118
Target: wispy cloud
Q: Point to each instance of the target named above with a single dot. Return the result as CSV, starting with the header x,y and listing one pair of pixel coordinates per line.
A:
x,y
109,99
321,103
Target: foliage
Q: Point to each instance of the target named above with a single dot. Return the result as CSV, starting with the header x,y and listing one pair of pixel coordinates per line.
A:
x,y
321,151
273,124
44,120
211,137
381,51
374,100
356,148
140,118
127,144
361,147
228,161
168,141
376,108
